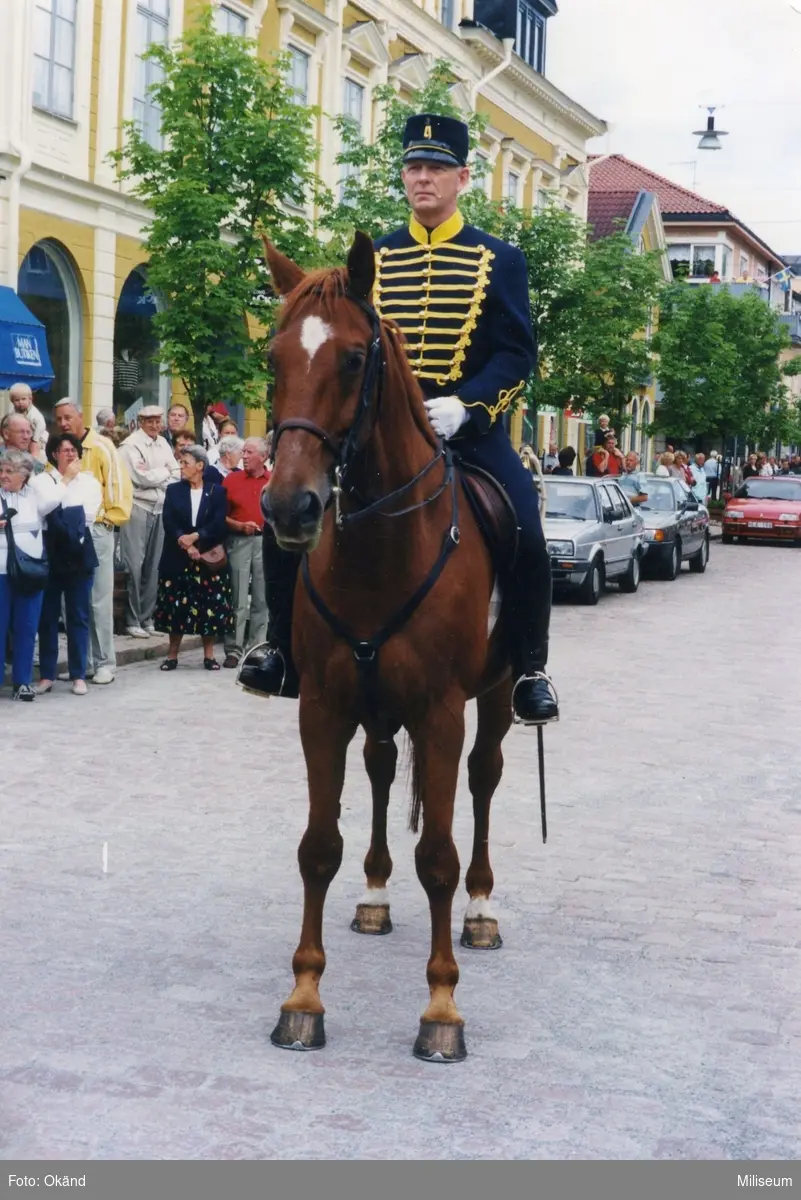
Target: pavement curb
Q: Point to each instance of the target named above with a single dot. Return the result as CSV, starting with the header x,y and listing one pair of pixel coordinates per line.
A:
x,y
129,650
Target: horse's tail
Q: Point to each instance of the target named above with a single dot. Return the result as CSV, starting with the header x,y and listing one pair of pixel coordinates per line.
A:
x,y
415,798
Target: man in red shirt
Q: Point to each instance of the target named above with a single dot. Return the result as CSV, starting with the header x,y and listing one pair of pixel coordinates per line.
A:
x,y
608,459
245,523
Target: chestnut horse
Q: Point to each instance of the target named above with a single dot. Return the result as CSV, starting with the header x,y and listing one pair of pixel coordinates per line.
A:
x,y
390,625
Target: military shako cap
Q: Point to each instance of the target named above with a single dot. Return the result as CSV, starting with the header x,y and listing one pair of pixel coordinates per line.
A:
x,y
436,139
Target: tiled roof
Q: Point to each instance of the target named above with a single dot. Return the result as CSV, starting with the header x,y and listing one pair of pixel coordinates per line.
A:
x,y
618,174
605,209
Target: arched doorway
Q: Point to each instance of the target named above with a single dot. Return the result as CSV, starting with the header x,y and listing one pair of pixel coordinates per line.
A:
x,y
48,285
137,365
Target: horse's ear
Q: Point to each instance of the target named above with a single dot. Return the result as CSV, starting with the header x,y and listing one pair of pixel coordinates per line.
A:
x,y
286,274
361,265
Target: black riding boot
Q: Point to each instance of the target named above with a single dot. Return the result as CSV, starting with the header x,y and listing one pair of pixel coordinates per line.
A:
x,y
275,674
534,697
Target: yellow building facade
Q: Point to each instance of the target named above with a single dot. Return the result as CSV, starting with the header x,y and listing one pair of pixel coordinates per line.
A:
x,y
71,71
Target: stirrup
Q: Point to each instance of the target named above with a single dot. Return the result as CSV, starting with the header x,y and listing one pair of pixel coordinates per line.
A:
x,y
528,679
262,649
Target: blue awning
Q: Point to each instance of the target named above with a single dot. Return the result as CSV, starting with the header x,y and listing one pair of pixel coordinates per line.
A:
x,y
23,345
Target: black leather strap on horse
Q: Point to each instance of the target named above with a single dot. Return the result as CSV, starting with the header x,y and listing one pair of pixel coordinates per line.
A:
x,y
365,650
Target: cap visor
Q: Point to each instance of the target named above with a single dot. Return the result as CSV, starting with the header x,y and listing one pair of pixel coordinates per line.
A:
x,y
437,156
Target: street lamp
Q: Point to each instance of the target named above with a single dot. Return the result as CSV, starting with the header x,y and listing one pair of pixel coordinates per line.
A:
x,y
710,137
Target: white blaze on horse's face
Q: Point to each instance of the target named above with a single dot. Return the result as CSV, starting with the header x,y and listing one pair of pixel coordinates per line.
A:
x,y
314,333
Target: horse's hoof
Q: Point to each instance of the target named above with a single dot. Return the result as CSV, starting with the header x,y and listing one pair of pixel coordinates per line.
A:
x,y
371,918
440,1043
299,1031
481,933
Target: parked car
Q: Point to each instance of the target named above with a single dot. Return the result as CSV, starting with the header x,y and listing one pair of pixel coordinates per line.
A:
x,y
764,507
676,527
594,536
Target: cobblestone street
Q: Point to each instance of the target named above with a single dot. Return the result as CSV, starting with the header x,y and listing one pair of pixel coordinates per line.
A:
x,y
645,1002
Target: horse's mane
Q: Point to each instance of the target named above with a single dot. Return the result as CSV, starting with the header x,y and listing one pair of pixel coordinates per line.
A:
x,y
323,290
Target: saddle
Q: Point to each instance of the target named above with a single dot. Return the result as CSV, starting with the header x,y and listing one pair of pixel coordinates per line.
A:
x,y
494,515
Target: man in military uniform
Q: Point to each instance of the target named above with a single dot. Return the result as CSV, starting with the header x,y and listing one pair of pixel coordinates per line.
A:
x,y
461,298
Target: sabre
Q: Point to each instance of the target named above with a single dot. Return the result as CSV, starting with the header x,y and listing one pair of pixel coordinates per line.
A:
x,y
541,757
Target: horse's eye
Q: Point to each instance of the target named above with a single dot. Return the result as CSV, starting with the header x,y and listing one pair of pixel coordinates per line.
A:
x,y
354,361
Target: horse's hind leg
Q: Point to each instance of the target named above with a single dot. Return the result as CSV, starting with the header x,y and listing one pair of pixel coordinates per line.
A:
x,y
484,766
372,911
325,739
438,746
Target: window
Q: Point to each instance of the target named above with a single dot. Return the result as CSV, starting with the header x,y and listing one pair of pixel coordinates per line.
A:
x,y
743,264
447,12
725,269
352,107
607,507
299,75
530,39
692,262
703,261
54,55
228,21
512,186
679,258
152,29
543,199
482,171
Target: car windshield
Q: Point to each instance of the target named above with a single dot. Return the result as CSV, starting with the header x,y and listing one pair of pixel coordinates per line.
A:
x,y
769,489
661,498
569,501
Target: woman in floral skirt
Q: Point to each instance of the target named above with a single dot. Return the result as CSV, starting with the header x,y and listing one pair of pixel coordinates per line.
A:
x,y
194,595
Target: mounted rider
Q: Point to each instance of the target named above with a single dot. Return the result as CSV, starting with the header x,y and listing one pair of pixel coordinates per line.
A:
x,y
461,298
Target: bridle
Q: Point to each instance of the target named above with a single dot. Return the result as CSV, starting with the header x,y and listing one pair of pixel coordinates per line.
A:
x,y
343,452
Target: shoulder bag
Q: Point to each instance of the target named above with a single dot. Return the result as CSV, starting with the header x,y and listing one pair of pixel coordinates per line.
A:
x,y
26,575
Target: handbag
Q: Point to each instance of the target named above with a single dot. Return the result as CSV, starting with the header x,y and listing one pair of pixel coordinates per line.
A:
x,y
215,559
26,575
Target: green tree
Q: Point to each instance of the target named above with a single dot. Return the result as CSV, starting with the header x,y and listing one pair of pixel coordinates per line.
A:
x,y
719,366
235,148
618,293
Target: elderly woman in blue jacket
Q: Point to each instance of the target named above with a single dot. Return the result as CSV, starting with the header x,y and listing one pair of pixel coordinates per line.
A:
x,y
194,596
25,502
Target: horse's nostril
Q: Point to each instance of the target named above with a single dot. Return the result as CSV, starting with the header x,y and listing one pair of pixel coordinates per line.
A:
x,y
307,506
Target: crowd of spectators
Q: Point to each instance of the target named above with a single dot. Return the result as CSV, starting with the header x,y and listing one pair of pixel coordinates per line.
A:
x,y
178,514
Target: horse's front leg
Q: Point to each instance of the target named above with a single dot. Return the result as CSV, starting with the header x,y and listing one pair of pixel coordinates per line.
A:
x,y
372,911
325,737
438,748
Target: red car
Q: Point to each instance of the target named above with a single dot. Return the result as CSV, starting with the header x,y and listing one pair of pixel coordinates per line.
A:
x,y
764,507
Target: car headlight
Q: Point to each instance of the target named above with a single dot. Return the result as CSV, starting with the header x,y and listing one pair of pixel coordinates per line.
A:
x,y
789,516
734,513
562,549
655,535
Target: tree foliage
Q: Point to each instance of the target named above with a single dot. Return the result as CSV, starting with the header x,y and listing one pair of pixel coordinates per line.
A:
x,y
719,366
236,150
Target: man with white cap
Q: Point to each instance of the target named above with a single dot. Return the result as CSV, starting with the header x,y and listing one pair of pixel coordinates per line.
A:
x,y
152,466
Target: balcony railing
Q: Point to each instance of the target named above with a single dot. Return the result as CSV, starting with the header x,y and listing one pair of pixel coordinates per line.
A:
x,y
792,322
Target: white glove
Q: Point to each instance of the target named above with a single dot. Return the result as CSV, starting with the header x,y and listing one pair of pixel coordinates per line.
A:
x,y
447,415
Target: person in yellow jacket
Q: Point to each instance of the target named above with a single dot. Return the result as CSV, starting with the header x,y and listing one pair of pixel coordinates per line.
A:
x,y
101,459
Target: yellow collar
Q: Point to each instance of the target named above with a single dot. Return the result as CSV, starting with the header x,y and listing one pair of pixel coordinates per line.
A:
x,y
443,233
